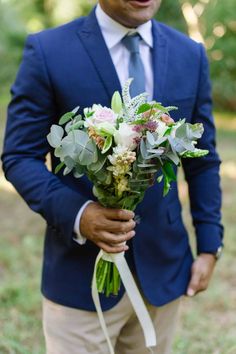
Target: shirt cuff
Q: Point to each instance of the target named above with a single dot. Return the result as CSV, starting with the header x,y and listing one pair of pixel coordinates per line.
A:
x,y
80,239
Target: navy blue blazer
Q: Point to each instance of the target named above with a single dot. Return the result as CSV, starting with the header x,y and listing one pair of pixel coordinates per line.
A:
x,y
70,66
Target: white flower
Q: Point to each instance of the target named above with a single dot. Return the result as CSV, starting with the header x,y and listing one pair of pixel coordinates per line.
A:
x,y
125,136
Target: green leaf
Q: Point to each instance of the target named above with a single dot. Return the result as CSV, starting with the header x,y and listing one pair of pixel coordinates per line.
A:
x,y
143,149
195,153
168,131
59,167
116,102
139,121
58,152
150,138
75,126
55,136
104,129
88,154
144,108
164,109
168,171
107,144
97,166
194,131
146,165
166,186
76,110
79,171
69,162
66,117
159,106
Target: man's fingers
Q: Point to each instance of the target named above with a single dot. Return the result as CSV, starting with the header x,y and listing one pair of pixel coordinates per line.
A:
x,y
113,239
118,214
195,283
112,249
119,227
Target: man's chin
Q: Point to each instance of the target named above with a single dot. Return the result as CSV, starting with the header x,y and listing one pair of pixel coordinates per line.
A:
x,y
139,12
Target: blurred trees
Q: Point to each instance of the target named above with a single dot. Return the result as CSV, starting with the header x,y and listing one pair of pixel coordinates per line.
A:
x,y
211,21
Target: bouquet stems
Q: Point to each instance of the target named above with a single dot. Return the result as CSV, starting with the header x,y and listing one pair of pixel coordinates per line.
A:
x,y
108,278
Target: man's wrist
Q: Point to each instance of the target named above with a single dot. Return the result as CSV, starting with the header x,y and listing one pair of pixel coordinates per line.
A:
x,y
79,237
216,254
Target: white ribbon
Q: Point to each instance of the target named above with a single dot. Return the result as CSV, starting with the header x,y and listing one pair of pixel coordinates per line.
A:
x,y
134,296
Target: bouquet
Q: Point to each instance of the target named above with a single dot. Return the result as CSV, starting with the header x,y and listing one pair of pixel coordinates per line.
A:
x,y
121,149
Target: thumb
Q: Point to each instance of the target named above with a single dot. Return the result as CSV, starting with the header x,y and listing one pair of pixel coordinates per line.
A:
x,y
194,283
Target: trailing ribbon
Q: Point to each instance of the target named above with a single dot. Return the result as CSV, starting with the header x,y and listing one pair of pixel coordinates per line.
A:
x,y
134,296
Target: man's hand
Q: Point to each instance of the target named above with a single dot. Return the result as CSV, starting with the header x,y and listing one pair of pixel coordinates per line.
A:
x,y
107,228
202,270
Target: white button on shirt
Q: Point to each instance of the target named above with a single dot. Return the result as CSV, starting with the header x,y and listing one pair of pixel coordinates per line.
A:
x,y
113,32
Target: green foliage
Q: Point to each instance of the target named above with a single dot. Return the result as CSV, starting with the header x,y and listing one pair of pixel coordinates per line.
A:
x,y
12,34
170,13
219,29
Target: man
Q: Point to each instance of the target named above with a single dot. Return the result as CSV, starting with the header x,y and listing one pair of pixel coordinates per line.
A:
x,y
82,63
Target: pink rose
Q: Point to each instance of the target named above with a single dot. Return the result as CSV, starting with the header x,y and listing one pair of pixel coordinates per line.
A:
x,y
104,114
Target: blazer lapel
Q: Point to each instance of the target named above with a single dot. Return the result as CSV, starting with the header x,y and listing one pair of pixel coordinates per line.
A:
x,y
93,41
160,53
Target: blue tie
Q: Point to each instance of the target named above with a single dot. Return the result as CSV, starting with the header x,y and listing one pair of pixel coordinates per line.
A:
x,y
136,68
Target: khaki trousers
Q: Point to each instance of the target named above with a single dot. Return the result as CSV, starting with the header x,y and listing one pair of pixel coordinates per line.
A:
x,y
72,331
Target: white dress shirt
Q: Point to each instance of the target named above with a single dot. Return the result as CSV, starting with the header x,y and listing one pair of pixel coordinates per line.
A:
x,y
113,32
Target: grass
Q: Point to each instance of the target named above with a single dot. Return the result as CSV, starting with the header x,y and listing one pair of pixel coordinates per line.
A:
x,y
207,322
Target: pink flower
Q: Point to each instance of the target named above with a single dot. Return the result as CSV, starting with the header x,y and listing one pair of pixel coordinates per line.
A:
x,y
151,126
104,114
167,119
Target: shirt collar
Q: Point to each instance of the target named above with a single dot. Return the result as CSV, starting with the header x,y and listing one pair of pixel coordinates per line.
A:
x,y
113,31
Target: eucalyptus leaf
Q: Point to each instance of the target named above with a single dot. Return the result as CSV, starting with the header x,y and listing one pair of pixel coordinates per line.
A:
x,y
66,171
69,127
79,171
88,154
194,131
143,149
68,145
76,110
157,151
150,138
69,162
58,152
148,171
77,174
146,165
66,117
97,166
55,136
173,157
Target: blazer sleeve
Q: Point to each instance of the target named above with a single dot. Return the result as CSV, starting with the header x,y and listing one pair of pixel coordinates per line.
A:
x,y
30,114
202,174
